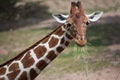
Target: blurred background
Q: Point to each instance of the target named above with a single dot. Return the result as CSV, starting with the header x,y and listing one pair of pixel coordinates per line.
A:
x,y
23,22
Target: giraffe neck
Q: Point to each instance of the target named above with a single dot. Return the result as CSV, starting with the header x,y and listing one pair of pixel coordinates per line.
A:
x,y
32,61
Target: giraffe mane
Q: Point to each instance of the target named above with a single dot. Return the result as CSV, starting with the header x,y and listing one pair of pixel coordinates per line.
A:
x,y
23,52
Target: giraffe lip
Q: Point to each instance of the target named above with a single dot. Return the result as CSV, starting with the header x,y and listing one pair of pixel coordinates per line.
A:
x,y
80,43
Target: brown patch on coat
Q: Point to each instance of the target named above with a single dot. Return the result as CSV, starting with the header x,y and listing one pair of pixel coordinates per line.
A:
x,y
41,64
33,74
68,36
53,42
59,32
66,43
2,71
23,76
19,57
12,75
40,51
51,55
13,67
62,41
27,60
60,49
45,40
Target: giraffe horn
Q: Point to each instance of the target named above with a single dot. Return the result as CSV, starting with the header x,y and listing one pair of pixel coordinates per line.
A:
x,y
79,5
73,8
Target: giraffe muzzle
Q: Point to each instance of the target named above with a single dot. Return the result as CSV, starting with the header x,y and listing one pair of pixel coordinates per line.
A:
x,y
81,41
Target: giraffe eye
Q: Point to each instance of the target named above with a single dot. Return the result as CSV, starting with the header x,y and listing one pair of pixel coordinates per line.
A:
x,y
68,24
87,23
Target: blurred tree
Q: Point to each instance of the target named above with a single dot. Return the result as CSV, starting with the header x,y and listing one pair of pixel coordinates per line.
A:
x,y
6,3
7,9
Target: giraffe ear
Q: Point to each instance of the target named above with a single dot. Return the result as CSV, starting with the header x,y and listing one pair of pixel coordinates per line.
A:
x,y
94,16
61,18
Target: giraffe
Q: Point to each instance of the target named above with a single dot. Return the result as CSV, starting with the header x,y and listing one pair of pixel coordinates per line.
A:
x,y
28,64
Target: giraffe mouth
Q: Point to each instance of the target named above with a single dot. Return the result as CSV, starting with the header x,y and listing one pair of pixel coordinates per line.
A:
x,y
80,42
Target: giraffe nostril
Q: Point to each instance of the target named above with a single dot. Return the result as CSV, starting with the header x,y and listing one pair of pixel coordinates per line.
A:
x,y
81,39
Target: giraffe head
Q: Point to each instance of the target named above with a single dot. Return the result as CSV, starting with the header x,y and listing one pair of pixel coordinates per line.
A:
x,y
77,21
